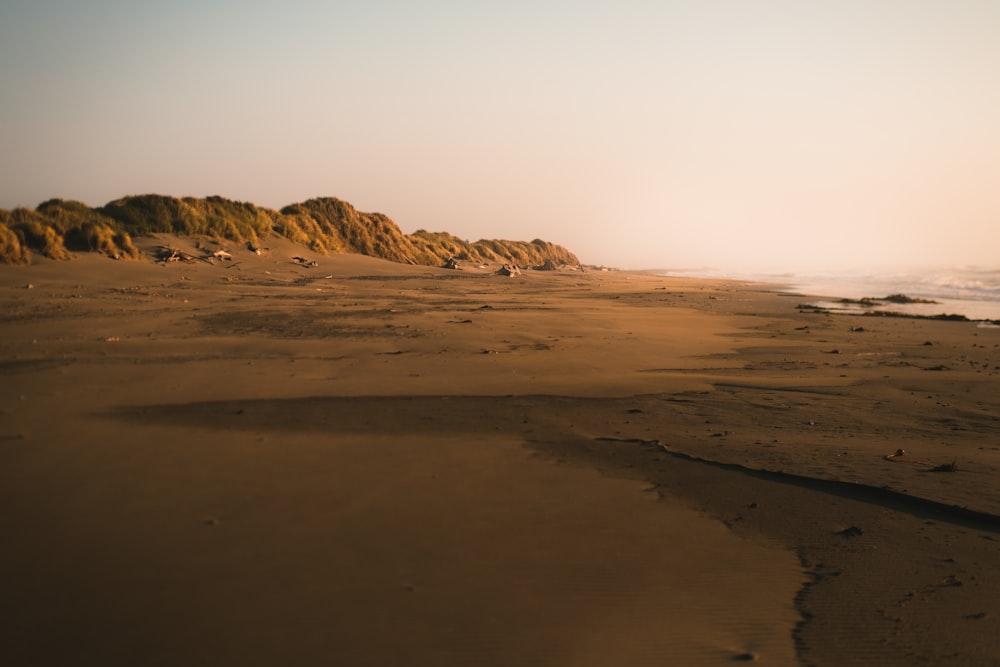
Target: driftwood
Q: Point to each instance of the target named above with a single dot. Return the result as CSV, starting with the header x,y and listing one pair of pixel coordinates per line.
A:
x,y
168,254
899,454
302,261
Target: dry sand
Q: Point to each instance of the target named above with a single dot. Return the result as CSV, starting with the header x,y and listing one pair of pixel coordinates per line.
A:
x,y
364,463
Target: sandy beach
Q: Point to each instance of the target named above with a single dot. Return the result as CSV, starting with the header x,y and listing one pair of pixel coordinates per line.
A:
x,y
358,462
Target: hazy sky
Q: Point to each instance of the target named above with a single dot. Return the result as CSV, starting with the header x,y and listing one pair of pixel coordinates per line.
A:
x,y
744,134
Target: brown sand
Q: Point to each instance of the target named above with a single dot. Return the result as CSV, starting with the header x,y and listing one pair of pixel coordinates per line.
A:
x,y
365,463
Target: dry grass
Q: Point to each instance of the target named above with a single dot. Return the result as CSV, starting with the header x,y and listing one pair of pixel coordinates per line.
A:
x,y
36,233
58,227
444,246
325,225
11,249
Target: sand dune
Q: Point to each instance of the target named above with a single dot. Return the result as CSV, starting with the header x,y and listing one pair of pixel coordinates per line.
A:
x,y
263,461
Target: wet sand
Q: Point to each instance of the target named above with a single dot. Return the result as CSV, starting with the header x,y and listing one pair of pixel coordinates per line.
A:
x,y
368,463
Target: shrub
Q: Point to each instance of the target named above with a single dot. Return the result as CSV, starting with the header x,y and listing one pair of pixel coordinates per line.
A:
x,y
11,250
100,237
324,224
35,232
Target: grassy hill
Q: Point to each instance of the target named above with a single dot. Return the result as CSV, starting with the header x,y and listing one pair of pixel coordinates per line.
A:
x,y
57,228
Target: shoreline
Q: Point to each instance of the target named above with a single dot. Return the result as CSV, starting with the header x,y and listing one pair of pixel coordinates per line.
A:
x,y
279,367
941,292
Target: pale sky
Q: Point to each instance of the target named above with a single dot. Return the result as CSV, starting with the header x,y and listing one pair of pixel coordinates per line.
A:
x,y
737,134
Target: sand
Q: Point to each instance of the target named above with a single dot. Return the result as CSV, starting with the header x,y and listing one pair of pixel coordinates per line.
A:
x,y
365,463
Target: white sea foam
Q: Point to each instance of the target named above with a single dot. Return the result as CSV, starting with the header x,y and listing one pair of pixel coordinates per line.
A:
x,y
970,291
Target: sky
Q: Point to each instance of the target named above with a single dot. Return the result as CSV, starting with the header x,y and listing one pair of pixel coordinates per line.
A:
x,y
740,135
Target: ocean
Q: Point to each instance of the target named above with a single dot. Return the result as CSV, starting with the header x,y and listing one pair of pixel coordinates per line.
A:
x,y
973,292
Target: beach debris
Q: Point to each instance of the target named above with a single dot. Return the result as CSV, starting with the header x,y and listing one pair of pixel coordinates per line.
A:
x,y
850,531
547,266
946,317
302,261
899,454
451,263
892,298
510,270
856,329
29,286
946,467
745,657
951,580
902,298
252,248
168,254
636,441
223,255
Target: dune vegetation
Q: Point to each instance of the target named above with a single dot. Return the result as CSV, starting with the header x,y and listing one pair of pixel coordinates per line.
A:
x,y
57,228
